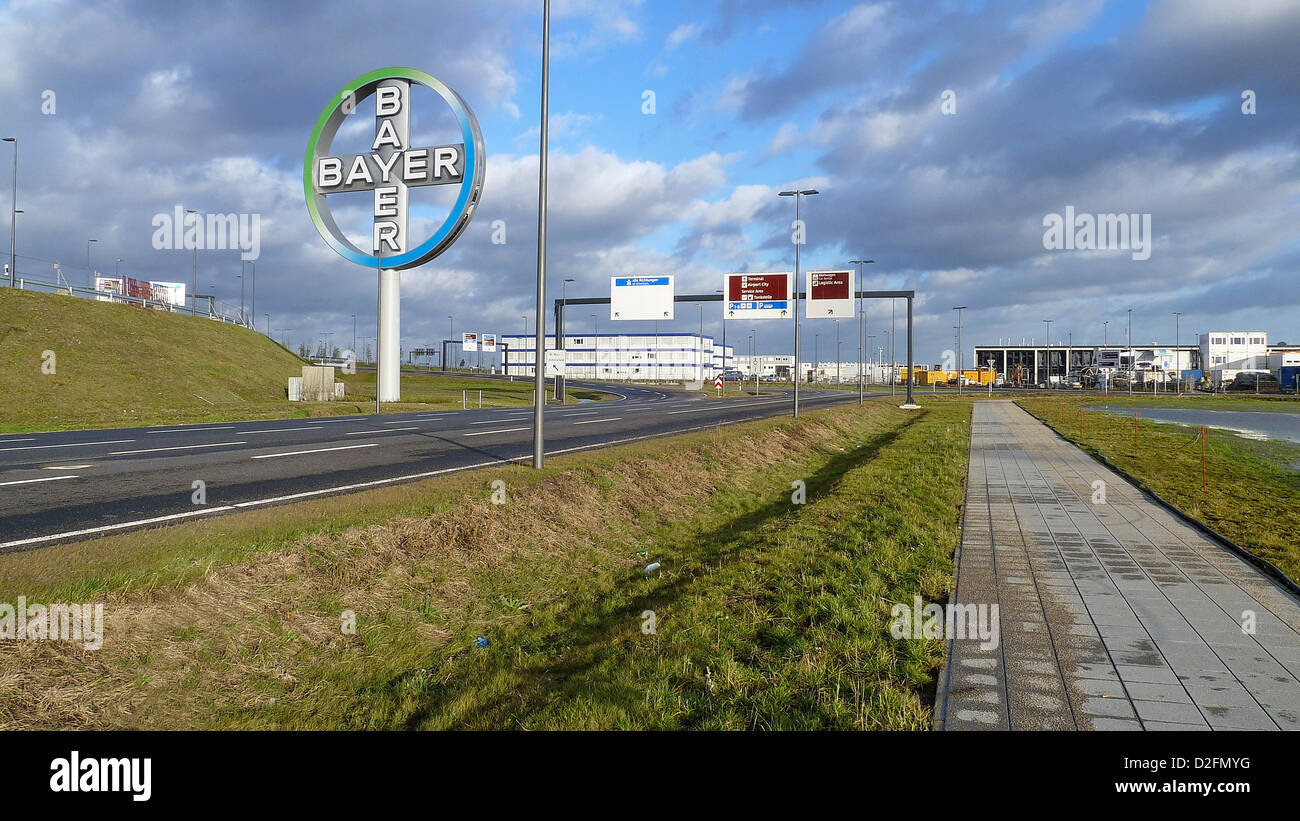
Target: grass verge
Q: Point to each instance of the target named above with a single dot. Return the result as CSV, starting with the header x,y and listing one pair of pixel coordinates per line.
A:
x,y
767,614
1250,489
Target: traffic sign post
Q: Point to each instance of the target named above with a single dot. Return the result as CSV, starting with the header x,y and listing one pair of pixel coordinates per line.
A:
x,y
641,297
830,295
758,296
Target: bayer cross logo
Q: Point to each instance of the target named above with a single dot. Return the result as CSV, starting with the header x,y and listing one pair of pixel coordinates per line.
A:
x,y
391,168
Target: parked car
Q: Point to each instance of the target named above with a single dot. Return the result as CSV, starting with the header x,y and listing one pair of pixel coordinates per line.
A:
x,y
1253,382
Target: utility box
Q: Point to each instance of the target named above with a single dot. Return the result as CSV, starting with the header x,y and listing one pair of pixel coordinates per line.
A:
x,y
317,383
338,390
295,389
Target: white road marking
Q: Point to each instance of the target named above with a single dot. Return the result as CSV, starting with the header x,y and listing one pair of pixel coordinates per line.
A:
x,y
390,430
317,450
487,432
42,479
67,467
331,421
189,430
270,430
25,439
360,486
71,445
177,447
594,421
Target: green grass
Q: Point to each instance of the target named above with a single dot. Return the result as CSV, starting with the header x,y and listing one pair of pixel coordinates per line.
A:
x,y
1251,489
1201,401
121,366
769,615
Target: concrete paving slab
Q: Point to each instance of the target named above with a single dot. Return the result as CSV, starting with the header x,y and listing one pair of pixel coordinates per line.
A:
x,y
1116,615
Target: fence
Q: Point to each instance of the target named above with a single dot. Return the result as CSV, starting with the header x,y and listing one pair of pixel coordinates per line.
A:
x,y
204,307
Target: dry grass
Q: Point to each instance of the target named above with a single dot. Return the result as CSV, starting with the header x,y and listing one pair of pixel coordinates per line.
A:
x,y
250,635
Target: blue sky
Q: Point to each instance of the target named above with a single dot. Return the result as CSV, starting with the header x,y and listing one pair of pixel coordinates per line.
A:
x,y
1112,107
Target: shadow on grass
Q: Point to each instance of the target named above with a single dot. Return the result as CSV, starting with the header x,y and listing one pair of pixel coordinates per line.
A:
x,y
586,633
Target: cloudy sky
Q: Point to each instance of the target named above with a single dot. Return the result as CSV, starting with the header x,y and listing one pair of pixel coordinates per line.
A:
x,y
940,135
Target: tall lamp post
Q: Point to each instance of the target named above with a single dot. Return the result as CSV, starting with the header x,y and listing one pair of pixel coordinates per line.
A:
x,y
1049,351
861,327
539,377
595,359
1178,364
90,278
800,236
960,360
13,218
194,285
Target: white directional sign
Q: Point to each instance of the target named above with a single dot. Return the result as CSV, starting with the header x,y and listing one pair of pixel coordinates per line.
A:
x,y
554,362
641,297
489,343
830,295
469,342
759,296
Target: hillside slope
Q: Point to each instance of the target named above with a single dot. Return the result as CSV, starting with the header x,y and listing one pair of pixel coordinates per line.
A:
x,y
121,365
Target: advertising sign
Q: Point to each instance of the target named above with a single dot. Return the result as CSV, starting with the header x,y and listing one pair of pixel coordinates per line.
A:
x,y
169,293
489,343
469,342
830,295
641,297
758,296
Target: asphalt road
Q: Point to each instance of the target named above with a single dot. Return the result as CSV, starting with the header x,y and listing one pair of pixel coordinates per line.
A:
x,y
68,485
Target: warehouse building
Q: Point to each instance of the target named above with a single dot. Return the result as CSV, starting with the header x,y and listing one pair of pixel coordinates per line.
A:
x,y
1048,364
626,357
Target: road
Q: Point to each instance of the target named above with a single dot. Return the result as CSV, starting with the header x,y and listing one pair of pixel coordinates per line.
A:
x,y
69,485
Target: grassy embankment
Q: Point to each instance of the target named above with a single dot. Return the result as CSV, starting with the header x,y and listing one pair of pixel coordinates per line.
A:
x,y
767,614
117,366
1251,489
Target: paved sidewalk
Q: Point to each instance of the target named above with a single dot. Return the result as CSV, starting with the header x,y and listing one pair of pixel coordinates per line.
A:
x,y
1113,616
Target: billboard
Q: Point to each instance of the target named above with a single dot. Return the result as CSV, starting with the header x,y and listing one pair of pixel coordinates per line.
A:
x,y
758,296
469,342
169,293
830,295
489,343
641,297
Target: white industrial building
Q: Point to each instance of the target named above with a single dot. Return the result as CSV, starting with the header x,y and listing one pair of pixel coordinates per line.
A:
x,y
626,357
1228,353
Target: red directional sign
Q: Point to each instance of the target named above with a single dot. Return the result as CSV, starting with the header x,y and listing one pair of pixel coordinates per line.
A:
x,y
717,382
758,296
830,295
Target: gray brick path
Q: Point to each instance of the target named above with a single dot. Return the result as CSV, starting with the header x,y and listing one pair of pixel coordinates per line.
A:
x,y
1114,616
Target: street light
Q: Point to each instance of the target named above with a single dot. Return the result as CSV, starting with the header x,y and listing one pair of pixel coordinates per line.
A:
x,y
960,360
861,325
539,354
1105,333
90,281
117,267
194,304
1178,365
13,216
800,236
595,321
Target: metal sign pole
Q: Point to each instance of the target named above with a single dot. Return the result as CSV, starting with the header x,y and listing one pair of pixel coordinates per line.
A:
x,y
539,401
